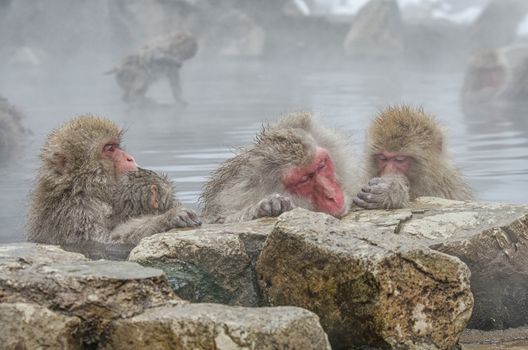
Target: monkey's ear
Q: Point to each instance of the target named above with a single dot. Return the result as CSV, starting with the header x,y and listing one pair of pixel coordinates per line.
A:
x,y
154,204
58,160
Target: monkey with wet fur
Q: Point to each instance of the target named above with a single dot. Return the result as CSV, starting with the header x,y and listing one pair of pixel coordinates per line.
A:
x,y
137,197
295,162
82,165
406,158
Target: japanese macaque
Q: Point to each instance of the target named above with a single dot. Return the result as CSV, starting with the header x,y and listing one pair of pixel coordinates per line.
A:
x,y
293,163
406,158
140,195
162,57
82,164
142,192
485,76
497,75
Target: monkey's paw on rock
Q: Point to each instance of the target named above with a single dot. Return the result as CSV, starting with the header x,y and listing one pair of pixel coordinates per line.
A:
x,y
50,298
393,277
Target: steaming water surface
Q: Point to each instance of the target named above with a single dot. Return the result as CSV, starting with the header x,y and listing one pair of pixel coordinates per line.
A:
x,y
229,101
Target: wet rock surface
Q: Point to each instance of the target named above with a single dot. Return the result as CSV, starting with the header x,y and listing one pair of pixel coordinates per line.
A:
x,y
491,238
213,326
394,248
94,291
31,326
510,339
385,295
211,264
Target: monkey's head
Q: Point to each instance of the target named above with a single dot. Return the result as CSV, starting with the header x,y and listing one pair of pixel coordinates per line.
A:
x,y
402,139
86,145
302,167
182,45
142,192
486,75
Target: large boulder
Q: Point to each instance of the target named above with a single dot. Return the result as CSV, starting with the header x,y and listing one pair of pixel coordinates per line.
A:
x,y
491,238
214,263
68,283
31,326
386,294
376,31
213,326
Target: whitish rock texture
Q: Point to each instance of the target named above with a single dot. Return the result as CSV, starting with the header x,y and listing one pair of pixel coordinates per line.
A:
x,y
213,326
94,291
211,264
386,295
491,238
30,326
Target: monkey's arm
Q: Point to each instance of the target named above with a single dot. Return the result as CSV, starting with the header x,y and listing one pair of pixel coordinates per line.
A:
x,y
133,230
387,192
272,205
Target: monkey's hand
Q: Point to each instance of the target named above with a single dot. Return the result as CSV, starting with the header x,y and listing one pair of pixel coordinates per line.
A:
x,y
387,192
273,205
181,217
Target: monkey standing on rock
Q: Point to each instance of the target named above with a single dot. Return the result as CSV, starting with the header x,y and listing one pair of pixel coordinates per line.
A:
x,y
406,158
293,163
82,165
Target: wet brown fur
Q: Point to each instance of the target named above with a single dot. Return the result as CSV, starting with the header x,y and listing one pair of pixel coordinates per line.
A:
x,y
411,131
72,198
142,192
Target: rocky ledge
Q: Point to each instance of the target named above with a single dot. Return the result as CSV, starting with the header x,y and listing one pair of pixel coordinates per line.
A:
x,y
402,279
50,298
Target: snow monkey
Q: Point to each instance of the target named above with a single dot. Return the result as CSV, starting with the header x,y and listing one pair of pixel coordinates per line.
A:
x,y
81,164
161,57
406,158
295,162
142,192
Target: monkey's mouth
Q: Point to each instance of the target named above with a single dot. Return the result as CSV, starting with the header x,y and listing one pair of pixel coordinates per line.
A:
x,y
335,206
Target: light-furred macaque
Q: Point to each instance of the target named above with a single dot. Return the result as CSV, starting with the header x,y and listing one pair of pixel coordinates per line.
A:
x,y
140,195
486,76
496,76
142,192
406,158
72,202
295,162
161,57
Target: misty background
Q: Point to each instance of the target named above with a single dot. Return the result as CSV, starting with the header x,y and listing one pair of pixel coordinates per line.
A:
x,y
256,61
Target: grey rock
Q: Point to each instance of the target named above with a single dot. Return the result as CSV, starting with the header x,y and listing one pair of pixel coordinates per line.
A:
x,y
30,326
213,326
94,291
212,264
491,238
386,294
376,31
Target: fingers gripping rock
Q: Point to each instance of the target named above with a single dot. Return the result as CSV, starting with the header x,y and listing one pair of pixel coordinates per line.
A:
x,y
274,205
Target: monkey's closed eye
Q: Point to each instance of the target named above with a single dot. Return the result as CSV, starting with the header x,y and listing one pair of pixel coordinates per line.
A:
x,y
381,157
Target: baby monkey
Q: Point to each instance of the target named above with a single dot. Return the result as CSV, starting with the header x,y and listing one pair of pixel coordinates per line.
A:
x,y
143,193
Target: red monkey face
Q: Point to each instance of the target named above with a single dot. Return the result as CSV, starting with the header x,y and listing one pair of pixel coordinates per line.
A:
x,y
317,183
123,162
392,163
